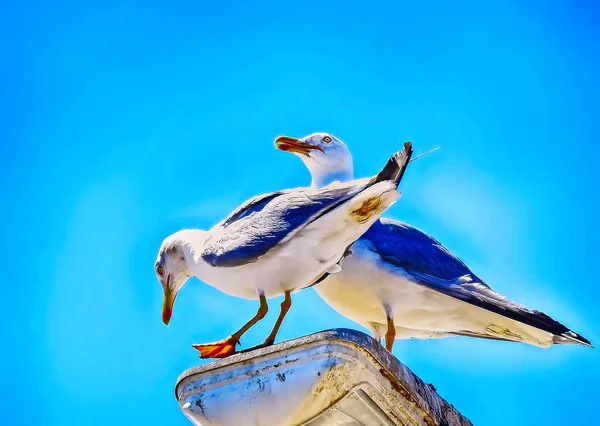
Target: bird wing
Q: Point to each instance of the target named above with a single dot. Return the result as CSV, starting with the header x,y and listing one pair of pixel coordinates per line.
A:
x,y
263,222
429,263
477,294
402,245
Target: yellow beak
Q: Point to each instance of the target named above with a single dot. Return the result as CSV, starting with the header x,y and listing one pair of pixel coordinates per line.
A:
x,y
168,301
289,144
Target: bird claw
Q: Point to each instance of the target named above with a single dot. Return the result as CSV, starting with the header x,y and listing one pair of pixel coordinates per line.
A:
x,y
220,349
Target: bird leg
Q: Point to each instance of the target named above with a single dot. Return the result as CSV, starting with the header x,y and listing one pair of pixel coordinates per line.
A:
x,y
390,335
285,307
226,347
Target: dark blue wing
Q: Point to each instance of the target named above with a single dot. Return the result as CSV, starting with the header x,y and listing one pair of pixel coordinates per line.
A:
x,y
405,246
432,265
255,204
263,222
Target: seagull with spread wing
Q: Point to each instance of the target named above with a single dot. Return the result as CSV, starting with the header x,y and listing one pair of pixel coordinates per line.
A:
x,y
276,244
400,283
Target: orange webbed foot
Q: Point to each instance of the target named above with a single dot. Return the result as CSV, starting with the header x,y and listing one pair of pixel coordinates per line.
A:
x,y
220,349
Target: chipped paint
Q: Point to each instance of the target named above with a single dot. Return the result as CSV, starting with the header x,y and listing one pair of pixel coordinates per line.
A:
x,y
199,404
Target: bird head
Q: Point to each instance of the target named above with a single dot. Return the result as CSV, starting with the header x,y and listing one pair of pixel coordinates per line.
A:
x,y
172,270
326,156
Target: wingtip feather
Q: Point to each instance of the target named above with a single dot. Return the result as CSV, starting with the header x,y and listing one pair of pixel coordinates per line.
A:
x,y
396,166
572,338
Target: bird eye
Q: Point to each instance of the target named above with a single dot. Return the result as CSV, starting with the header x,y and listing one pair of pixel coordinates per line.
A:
x,y
327,139
160,270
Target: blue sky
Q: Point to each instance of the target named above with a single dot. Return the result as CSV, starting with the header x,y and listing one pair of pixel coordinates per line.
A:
x,y
123,123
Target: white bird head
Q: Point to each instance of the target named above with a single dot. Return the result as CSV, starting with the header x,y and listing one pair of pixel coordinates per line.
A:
x,y
173,267
326,156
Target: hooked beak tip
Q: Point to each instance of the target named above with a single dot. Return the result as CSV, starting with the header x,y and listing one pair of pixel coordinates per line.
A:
x,y
283,141
166,316
289,144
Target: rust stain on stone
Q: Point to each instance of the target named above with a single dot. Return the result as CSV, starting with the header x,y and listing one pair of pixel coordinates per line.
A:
x,y
406,395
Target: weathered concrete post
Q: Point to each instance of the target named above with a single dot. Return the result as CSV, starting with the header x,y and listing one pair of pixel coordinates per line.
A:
x,y
336,377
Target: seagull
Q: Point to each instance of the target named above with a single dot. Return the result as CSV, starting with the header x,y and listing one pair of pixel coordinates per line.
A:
x,y
399,282
276,244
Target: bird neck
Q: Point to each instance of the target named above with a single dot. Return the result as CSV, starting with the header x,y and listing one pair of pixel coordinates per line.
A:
x,y
324,175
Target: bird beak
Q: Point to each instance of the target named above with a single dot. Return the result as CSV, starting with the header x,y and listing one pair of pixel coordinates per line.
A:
x,y
287,143
168,301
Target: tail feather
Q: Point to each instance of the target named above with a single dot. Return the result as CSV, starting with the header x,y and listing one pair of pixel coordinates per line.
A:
x,y
396,166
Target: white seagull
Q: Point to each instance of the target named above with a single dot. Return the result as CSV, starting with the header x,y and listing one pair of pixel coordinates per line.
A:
x,y
400,282
275,244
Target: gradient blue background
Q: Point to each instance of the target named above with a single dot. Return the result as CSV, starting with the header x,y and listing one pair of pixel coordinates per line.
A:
x,y
122,123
